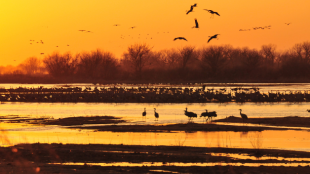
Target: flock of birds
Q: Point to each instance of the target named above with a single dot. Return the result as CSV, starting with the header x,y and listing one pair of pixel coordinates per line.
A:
x,y
207,115
197,24
191,10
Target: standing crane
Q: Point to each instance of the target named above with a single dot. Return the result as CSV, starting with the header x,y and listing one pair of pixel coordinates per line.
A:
x,y
243,116
156,115
144,113
208,114
212,13
213,37
191,9
190,115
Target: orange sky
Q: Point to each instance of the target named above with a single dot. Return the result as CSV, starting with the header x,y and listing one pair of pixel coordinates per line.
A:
x,y
56,23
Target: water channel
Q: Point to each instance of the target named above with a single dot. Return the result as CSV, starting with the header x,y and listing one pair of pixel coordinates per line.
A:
x,y
15,133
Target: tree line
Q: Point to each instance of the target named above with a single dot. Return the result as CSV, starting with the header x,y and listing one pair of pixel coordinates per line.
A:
x,y
140,63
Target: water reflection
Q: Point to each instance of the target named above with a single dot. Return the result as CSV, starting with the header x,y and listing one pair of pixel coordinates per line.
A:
x,y
149,164
169,113
288,140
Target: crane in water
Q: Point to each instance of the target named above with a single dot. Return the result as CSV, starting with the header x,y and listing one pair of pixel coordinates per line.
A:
x,y
191,9
213,37
243,116
190,115
156,115
208,114
144,112
180,38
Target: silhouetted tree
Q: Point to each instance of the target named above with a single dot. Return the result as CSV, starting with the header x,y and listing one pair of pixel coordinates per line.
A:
x,y
137,56
187,56
31,65
269,54
216,57
251,60
59,65
97,65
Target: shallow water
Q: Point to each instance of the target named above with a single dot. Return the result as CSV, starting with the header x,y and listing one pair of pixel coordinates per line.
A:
x,y
168,113
13,133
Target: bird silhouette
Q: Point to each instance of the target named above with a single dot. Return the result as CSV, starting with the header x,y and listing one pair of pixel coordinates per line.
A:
x,y
208,114
190,115
191,9
308,110
180,38
196,24
144,113
156,115
213,37
212,12
243,116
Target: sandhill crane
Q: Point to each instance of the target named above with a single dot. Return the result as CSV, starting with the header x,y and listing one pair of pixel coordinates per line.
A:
x,y
213,37
191,9
144,113
196,24
212,12
190,115
243,116
208,114
180,38
156,115
308,110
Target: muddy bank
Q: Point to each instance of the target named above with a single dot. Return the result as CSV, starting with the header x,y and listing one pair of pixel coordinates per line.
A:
x,y
187,127
111,123
51,158
69,121
291,121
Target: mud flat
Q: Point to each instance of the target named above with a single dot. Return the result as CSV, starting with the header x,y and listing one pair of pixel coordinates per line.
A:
x,y
98,158
290,121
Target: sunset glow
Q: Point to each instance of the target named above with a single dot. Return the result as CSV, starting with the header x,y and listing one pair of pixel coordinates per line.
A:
x,y
39,28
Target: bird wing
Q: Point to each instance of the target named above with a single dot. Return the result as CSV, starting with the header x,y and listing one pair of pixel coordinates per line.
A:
x,y
190,10
217,13
210,39
184,38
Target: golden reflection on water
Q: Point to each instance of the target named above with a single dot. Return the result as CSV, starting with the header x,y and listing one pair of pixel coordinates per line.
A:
x,y
148,164
294,140
168,113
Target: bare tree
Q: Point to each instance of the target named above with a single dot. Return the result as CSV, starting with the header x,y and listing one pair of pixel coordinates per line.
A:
x,y
97,64
137,55
302,51
216,57
187,56
269,54
59,65
32,65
